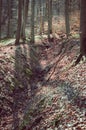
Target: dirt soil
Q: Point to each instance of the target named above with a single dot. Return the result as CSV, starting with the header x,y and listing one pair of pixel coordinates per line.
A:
x,y
40,90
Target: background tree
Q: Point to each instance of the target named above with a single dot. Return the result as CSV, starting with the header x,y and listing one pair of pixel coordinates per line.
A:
x,y
18,33
24,18
52,8
67,22
41,16
49,18
9,18
0,15
26,11
32,20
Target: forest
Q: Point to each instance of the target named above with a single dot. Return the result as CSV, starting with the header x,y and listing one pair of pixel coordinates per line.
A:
x,y
42,64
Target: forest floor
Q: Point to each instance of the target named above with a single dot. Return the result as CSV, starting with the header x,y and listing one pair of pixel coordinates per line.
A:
x,y
50,97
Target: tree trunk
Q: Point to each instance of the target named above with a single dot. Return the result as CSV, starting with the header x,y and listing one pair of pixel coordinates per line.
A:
x,y
83,28
26,10
49,18
67,24
9,17
0,15
40,11
24,18
32,20
23,21
18,34
58,9
82,32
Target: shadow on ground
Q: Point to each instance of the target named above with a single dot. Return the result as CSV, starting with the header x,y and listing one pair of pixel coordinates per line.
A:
x,y
27,75
29,78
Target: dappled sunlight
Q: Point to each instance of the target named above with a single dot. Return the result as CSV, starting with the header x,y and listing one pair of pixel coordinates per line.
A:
x,y
42,65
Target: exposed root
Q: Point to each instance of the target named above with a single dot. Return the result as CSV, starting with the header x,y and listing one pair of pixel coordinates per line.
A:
x,y
78,59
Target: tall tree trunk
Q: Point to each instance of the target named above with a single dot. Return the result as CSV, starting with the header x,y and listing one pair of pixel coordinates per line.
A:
x,y
32,20
46,11
83,28
82,31
9,17
18,34
40,11
24,18
23,21
67,23
49,18
0,15
58,9
26,10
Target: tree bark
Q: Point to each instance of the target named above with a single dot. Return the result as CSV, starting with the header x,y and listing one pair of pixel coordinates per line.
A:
x,y
82,32
0,15
83,28
18,34
67,23
26,10
9,17
49,18
32,20
24,18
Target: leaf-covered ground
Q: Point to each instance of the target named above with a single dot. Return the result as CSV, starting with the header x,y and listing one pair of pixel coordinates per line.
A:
x,y
40,90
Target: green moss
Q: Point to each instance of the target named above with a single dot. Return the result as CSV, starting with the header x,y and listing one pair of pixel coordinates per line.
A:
x,y
76,35
6,41
28,72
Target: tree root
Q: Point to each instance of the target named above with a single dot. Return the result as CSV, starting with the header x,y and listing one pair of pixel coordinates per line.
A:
x,y
80,57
